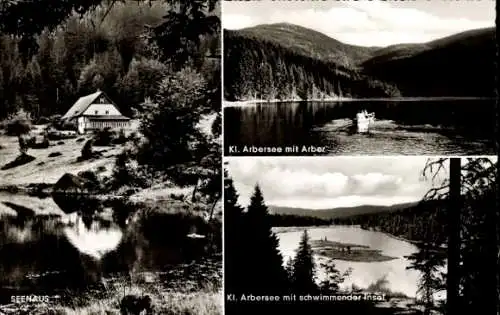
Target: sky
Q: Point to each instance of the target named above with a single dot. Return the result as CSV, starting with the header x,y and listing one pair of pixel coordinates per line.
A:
x,y
322,182
367,23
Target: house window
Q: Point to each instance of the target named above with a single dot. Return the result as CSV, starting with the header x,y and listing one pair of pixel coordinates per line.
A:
x,y
102,100
107,112
95,112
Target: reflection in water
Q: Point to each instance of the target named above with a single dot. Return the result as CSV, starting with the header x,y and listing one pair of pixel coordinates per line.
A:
x,y
50,254
89,236
95,240
402,127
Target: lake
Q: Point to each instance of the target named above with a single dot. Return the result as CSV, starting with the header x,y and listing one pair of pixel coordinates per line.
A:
x,y
44,250
363,273
403,127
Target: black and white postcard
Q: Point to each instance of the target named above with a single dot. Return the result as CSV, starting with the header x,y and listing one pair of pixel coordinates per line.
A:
x,y
361,235
359,77
110,157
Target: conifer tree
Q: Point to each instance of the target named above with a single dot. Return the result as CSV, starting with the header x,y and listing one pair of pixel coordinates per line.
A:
x,y
331,284
304,268
267,275
233,246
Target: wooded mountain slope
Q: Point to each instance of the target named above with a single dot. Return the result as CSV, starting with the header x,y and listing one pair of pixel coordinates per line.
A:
x,y
458,65
286,61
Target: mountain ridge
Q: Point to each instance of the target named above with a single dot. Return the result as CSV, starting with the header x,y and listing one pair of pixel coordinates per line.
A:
x,y
298,62
330,48
339,212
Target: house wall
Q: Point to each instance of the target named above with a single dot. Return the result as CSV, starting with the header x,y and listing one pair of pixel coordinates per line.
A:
x,y
82,122
99,124
102,110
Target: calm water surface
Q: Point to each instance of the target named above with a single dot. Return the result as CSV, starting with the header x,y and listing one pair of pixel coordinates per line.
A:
x,y
458,127
399,279
42,249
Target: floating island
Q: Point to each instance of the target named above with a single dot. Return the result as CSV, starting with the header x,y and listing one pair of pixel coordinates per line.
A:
x,y
347,251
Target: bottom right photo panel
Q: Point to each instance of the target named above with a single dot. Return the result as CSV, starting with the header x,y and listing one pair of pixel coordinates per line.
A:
x,y
361,235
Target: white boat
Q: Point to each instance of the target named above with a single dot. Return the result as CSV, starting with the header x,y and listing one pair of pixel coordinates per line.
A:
x,y
364,121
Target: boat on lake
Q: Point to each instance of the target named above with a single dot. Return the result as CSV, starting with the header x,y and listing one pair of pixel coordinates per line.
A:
x,y
364,121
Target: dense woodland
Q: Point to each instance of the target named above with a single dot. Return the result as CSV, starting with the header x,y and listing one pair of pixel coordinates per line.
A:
x,y
285,61
297,220
416,223
459,65
113,47
152,58
254,68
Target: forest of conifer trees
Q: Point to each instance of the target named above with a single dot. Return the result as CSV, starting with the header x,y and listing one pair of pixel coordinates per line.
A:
x,y
114,51
256,69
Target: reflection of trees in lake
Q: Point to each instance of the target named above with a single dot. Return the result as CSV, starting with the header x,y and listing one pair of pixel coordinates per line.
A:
x,y
82,255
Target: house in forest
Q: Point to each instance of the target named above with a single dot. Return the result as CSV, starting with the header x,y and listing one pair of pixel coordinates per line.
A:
x,y
96,111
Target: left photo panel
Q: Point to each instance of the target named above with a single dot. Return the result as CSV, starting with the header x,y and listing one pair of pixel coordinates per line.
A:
x,y
110,157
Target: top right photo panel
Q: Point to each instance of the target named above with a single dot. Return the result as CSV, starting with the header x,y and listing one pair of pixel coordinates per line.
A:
x,y
359,78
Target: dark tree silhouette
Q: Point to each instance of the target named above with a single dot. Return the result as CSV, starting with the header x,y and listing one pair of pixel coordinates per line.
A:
x,y
471,190
267,275
304,267
428,261
452,280
234,247
331,284
186,22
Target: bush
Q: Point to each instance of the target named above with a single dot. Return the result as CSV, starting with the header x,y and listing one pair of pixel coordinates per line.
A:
x,y
87,151
121,138
19,123
43,144
127,172
101,169
54,154
55,134
179,197
104,137
217,126
93,182
68,125
56,121
42,120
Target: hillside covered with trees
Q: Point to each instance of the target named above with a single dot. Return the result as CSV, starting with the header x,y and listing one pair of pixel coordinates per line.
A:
x,y
111,47
285,61
462,65
264,69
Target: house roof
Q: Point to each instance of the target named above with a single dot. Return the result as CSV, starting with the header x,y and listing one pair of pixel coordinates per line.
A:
x,y
82,104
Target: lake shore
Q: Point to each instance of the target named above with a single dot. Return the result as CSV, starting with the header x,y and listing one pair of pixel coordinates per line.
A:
x,y
288,229
348,252
253,102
